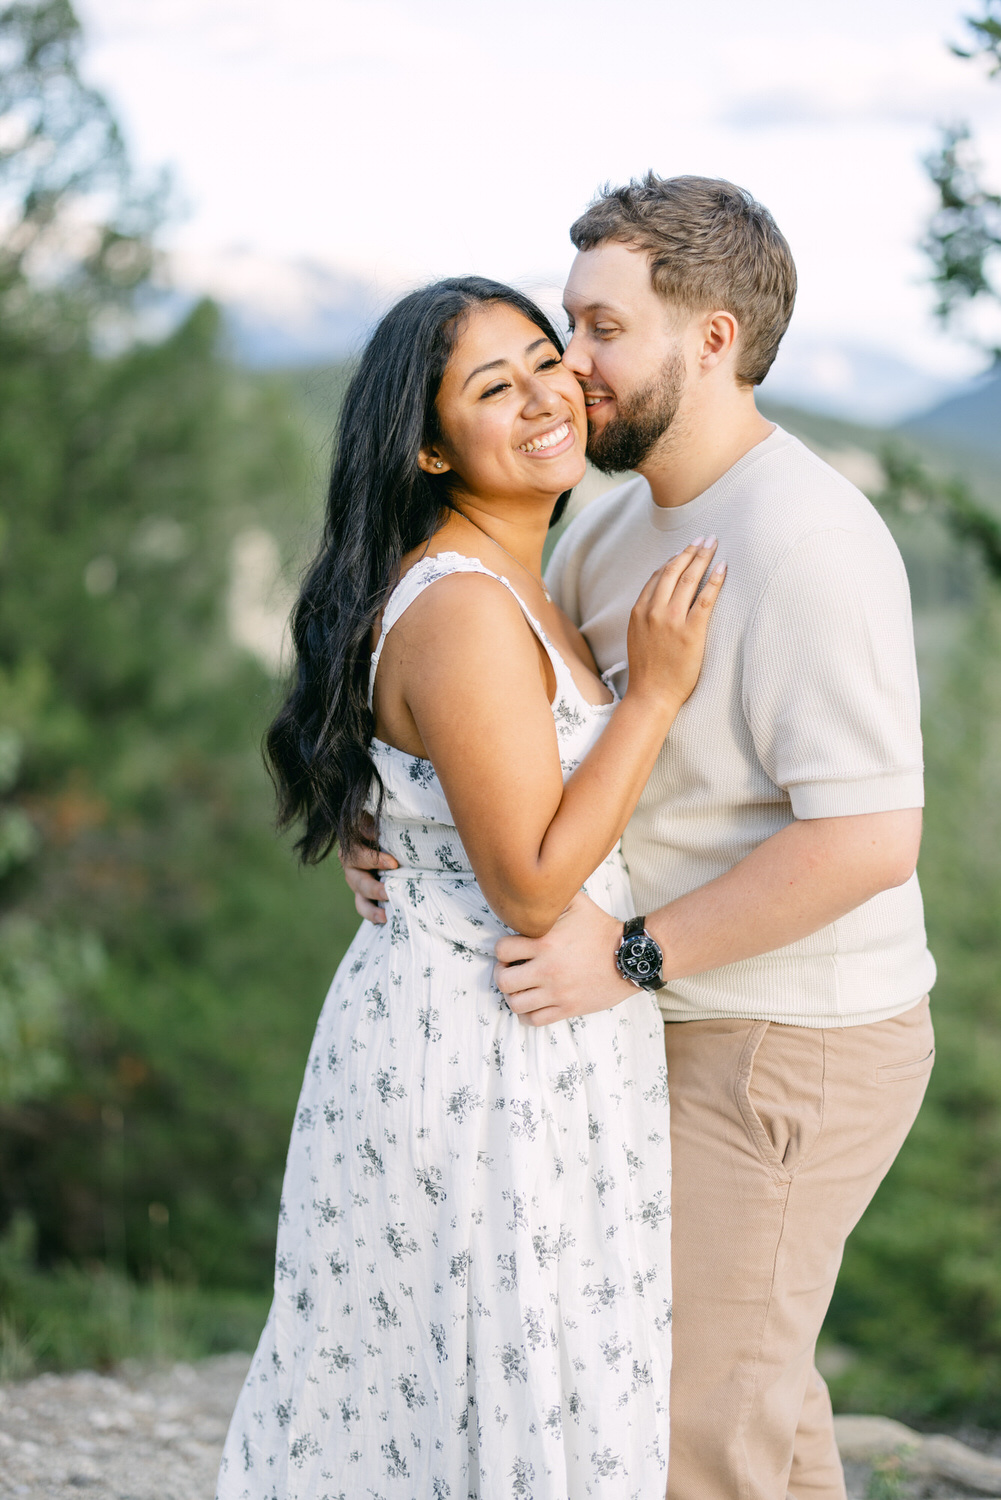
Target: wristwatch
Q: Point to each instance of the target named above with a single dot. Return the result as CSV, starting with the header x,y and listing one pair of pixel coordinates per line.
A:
x,y
638,956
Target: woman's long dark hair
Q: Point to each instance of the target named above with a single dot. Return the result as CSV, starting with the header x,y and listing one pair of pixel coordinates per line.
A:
x,y
381,505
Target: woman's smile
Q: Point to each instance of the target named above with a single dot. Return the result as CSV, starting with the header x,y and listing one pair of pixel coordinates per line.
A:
x,y
554,440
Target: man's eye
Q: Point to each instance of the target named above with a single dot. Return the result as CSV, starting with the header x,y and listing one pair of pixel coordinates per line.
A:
x,y
605,332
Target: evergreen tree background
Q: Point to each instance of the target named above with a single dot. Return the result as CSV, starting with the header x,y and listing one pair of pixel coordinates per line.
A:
x,y
162,960
919,1298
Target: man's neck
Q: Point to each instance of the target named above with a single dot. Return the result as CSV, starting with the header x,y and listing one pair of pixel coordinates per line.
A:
x,y
701,444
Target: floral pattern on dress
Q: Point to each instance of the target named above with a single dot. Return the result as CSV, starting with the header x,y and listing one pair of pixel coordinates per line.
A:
x,y
472,1277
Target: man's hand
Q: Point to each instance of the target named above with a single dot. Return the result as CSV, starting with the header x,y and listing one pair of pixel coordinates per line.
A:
x,y
361,864
569,972
801,879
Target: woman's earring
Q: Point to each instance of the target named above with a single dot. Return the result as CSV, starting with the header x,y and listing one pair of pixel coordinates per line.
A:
x,y
438,464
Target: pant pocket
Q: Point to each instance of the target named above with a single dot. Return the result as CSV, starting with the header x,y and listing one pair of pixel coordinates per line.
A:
x,y
897,1072
780,1092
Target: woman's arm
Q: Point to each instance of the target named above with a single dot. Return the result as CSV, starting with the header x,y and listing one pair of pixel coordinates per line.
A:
x,y
470,672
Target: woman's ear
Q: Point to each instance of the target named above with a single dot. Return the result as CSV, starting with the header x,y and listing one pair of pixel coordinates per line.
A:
x,y
431,461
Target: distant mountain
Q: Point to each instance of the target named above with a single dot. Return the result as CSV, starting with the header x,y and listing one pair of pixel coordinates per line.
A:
x,y
330,324
282,314
971,419
851,381
855,448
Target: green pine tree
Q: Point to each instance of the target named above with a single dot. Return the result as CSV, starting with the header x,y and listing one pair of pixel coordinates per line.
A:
x,y
162,961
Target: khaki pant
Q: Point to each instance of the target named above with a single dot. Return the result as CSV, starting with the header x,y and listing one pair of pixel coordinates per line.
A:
x,y
780,1135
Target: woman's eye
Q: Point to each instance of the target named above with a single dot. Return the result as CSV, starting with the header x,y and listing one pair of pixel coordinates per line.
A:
x,y
494,389
551,363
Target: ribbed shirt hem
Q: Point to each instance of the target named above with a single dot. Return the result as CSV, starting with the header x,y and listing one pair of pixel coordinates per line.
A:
x,y
787,1018
841,799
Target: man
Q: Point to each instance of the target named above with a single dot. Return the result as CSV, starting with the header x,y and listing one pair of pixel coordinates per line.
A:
x,y
775,845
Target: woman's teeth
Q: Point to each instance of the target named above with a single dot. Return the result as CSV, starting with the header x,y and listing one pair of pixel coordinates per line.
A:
x,y
547,440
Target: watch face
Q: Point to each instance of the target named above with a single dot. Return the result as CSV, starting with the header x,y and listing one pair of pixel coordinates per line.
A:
x,y
640,957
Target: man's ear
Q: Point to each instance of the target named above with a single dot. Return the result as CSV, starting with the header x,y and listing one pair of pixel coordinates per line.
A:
x,y
432,462
719,335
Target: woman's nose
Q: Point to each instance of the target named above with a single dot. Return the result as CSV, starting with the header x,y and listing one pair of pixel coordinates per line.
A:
x,y
540,398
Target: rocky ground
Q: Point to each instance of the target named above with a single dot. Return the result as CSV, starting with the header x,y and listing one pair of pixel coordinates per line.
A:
x,y
157,1435
137,1435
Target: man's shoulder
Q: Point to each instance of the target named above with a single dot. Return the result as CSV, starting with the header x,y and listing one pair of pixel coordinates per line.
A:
x,y
794,498
816,494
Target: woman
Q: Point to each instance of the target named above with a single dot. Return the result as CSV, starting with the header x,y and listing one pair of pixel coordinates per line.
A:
x,y
472,1284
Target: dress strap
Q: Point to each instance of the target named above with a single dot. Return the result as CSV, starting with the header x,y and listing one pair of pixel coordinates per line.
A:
x,y
428,571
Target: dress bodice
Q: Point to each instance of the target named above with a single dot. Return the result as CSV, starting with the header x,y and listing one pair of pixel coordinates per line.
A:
x,y
415,823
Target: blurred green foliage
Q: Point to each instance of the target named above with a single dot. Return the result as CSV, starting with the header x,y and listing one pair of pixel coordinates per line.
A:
x,y
162,961
92,1316
963,239
919,1296
138,827
888,1480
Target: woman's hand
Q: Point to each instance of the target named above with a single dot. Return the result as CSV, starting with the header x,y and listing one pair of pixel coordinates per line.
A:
x,y
666,640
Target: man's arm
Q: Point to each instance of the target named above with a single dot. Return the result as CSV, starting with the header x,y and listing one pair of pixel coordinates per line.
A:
x,y
829,693
361,865
801,879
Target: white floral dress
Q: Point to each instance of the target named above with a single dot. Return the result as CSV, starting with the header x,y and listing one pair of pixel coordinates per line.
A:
x,y
472,1288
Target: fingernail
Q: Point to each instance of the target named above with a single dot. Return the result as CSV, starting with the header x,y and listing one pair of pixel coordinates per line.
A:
x,y
697,542
719,568
710,541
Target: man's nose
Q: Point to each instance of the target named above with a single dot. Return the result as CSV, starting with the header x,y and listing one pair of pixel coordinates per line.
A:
x,y
576,358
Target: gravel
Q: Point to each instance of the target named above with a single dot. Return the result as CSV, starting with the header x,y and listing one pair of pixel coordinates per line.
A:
x,y
145,1434
134,1435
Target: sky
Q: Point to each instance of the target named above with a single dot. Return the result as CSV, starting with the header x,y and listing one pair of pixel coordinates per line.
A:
x,y
397,140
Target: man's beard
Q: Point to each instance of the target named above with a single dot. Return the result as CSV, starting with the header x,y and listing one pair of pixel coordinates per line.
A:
x,y
642,419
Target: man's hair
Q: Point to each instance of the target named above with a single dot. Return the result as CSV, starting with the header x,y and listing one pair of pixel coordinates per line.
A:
x,y
711,246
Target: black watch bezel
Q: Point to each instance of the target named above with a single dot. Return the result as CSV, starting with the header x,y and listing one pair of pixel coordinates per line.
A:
x,y
639,957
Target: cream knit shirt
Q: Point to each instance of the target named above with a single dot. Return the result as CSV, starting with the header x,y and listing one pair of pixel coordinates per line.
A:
x,y
807,707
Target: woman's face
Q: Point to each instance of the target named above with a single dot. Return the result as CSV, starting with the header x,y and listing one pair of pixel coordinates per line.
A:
x,y
512,417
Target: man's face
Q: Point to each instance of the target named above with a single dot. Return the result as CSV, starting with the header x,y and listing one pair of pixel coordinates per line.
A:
x,y
626,349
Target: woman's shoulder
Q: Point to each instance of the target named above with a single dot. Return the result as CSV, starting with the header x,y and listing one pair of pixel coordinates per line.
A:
x,y
460,636
440,558
466,593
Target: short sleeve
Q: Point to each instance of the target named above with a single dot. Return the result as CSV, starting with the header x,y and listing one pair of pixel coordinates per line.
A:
x,y
830,687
